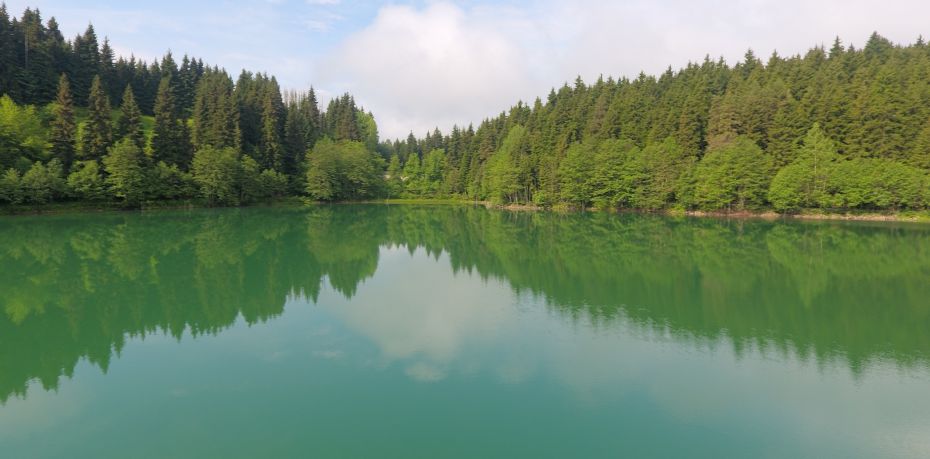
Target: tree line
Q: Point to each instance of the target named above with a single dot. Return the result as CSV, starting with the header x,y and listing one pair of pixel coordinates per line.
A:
x,y
75,124
837,128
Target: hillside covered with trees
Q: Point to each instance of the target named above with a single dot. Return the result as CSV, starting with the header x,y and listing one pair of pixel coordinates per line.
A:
x,y
77,123
839,128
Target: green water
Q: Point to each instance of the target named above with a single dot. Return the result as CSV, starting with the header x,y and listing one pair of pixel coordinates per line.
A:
x,y
404,331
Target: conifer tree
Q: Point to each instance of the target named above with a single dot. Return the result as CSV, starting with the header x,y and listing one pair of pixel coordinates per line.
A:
x,y
130,122
86,63
107,70
271,150
215,118
63,127
297,129
169,137
98,133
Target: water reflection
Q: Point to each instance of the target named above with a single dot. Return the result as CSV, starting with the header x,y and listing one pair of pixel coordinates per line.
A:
x,y
78,287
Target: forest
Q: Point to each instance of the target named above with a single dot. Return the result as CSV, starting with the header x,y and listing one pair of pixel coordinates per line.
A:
x,y
838,129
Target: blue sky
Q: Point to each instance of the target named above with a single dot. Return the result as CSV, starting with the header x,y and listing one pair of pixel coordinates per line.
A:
x,y
423,64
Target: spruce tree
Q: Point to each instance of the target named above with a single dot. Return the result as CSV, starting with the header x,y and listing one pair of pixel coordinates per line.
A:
x,y
8,64
63,128
98,135
107,70
86,63
130,122
169,136
310,108
271,154
295,140
215,118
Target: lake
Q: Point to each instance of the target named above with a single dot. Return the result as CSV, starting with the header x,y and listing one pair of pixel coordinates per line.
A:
x,y
451,331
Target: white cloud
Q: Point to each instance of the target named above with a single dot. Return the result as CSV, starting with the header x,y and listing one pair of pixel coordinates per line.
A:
x,y
421,68
417,68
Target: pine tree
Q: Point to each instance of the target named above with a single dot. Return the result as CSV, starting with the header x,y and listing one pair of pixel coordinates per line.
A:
x,y
271,150
8,64
98,135
107,70
310,109
86,63
63,127
216,115
920,153
295,140
130,122
169,137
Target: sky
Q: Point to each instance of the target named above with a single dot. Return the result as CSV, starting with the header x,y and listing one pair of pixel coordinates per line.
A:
x,y
423,64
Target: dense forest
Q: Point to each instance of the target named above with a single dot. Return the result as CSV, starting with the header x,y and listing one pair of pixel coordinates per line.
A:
x,y
839,128
843,128
78,123
78,287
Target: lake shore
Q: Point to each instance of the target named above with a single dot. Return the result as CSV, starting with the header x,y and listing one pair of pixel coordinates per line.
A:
x,y
813,214
92,207
61,208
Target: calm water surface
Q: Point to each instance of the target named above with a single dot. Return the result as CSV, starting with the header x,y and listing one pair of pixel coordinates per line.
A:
x,y
375,331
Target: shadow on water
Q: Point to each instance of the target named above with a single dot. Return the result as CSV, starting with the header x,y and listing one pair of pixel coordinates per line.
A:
x,y
78,287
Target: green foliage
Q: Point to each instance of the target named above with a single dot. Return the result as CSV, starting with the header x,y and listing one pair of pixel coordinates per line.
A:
x,y
501,182
63,132
650,142
216,172
341,120
126,173
130,121
216,117
613,177
85,181
873,183
272,184
658,169
301,131
170,142
416,178
681,129
805,182
412,175
21,134
433,172
343,170
43,182
11,191
97,134
575,174
394,177
256,184
734,176
789,190
168,181
368,130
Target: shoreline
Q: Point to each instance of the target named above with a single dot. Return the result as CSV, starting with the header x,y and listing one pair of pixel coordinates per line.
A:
x,y
768,214
66,208
870,216
771,215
